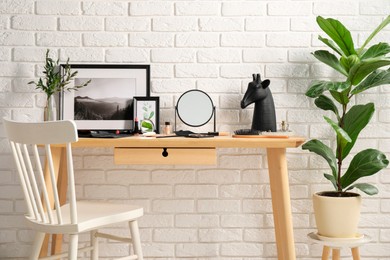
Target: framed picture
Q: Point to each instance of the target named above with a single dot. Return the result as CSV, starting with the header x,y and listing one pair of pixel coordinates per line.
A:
x,y
107,102
146,109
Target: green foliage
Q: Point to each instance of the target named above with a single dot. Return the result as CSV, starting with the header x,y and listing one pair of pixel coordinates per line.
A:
x,y
148,112
377,78
361,69
326,103
338,33
365,163
355,120
147,124
318,147
375,32
330,60
55,81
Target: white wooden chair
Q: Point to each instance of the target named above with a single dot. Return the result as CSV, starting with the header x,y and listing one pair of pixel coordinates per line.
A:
x,y
74,217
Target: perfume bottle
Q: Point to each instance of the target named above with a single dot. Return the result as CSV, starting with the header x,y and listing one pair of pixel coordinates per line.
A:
x,y
167,130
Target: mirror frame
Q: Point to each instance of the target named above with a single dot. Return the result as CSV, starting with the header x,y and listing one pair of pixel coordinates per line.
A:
x,y
199,125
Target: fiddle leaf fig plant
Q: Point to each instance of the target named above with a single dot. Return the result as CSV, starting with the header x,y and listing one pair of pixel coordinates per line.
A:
x,y
361,71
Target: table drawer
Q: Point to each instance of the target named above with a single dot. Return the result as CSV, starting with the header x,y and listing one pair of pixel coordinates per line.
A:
x,y
191,156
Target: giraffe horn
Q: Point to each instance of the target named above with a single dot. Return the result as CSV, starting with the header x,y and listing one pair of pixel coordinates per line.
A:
x,y
258,79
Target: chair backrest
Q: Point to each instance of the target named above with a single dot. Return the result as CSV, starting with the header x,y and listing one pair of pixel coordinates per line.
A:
x,y
24,140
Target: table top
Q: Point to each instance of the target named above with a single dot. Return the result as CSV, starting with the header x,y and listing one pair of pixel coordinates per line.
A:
x,y
212,142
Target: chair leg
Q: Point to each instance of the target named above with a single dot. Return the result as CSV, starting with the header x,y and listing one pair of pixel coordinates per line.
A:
x,y
95,245
336,254
134,230
355,253
73,246
325,253
38,240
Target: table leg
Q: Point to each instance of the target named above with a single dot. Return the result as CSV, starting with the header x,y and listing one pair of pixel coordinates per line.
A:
x,y
59,163
280,192
325,253
45,246
355,253
62,186
336,254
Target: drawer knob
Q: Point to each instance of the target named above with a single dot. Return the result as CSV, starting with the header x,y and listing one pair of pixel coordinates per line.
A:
x,y
165,152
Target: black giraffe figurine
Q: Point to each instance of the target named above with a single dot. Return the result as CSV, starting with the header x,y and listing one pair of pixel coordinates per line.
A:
x,y
258,92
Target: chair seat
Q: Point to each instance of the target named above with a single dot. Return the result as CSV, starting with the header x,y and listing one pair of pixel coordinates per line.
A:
x,y
91,215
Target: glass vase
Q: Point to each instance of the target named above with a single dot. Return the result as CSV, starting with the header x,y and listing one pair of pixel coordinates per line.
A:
x,y
50,110
147,126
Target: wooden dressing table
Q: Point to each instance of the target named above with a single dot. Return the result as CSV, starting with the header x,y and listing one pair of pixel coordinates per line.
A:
x,y
201,151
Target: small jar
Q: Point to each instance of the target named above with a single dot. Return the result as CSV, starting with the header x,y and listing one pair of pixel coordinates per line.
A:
x,y
167,129
284,126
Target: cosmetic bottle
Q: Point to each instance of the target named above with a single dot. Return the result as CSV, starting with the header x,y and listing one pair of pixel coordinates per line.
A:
x,y
167,130
136,126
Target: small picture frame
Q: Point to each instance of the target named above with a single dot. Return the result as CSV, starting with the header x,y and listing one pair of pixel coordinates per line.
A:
x,y
146,109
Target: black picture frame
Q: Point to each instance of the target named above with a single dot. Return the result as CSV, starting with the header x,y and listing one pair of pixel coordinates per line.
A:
x,y
94,107
147,108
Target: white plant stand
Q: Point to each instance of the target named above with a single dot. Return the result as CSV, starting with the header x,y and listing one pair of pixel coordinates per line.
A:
x,y
335,244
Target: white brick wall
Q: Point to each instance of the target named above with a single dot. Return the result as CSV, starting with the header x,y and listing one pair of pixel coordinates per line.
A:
x,y
217,212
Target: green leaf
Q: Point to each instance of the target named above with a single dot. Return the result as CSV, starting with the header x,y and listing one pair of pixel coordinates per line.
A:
x,y
341,97
377,50
376,78
348,62
342,136
331,45
332,179
147,125
330,60
358,72
320,86
365,163
383,24
365,187
317,87
151,115
340,86
318,147
355,120
326,103
338,33
340,92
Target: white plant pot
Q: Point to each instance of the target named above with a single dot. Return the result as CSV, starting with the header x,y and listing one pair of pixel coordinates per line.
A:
x,y
337,216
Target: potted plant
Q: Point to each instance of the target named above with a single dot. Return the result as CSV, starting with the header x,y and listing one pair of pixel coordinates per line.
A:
x,y
360,71
54,82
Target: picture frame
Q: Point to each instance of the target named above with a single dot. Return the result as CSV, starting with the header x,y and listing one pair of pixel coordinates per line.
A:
x,y
147,110
107,102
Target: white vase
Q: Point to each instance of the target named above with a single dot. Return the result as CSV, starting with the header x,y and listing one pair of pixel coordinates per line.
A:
x,y
50,110
337,217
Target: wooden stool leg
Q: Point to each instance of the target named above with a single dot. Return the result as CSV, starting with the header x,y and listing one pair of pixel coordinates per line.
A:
x,y
325,253
355,253
336,254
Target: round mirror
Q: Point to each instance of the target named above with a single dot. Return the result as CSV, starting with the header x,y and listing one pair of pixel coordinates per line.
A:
x,y
195,108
